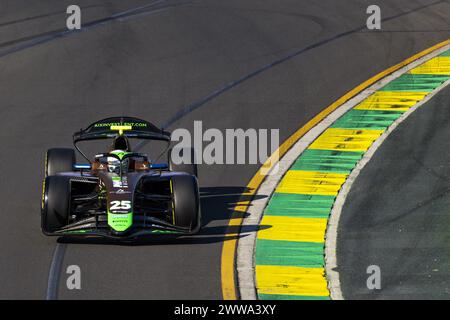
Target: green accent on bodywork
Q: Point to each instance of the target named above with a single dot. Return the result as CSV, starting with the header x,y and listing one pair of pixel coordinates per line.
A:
x,y
290,297
166,232
77,231
120,221
289,253
120,154
150,231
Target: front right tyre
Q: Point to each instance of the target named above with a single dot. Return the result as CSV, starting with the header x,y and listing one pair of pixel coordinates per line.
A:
x,y
59,160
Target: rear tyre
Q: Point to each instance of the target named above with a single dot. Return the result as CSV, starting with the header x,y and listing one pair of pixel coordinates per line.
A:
x,y
186,204
59,160
56,203
188,153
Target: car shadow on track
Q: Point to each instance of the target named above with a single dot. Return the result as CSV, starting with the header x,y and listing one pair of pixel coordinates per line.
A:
x,y
217,205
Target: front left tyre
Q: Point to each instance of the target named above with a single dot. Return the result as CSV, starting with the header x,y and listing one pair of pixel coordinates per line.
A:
x,y
186,204
56,203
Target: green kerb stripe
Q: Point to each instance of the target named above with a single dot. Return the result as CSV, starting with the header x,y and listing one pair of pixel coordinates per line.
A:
x,y
327,161
299,205
288,297
287,253
446,54
367,119
416,82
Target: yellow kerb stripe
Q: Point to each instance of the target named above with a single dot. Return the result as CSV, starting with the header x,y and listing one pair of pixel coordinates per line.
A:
x,y
439,65
293,229
346,139
391,100
311,182
291,281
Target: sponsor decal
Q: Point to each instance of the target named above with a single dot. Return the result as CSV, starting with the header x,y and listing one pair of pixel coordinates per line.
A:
x,y
120,221
120,191
120,183
118,124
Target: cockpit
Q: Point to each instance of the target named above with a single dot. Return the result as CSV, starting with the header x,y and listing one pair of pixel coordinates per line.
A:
x,y
120,160
125,163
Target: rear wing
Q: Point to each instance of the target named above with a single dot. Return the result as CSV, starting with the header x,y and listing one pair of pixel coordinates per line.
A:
x,y
127,126
111,128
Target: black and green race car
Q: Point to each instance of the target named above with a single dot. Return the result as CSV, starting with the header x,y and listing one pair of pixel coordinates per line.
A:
x,y
119,194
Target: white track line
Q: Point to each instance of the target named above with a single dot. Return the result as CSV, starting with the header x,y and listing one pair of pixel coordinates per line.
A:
x,y
246,243
55,271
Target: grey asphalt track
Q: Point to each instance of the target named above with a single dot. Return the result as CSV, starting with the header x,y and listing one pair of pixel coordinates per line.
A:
x,y
396,215
152,64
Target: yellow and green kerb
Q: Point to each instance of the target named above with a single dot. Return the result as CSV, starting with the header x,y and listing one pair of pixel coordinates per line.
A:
x,y
290,244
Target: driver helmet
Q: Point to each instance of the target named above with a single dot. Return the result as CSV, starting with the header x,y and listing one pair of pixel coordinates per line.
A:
x,y
114,164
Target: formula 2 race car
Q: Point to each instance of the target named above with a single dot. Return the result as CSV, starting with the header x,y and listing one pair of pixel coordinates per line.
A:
x,y
120,194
